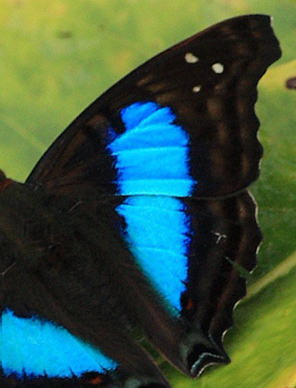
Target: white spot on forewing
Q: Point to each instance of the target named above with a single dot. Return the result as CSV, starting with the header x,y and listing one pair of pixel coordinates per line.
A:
x,y
218,68
191,58
196,88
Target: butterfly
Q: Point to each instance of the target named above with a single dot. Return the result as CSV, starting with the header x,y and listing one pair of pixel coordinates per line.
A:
x,y
137,219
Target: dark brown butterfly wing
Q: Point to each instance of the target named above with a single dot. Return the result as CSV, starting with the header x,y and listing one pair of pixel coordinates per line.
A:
x,y
150,184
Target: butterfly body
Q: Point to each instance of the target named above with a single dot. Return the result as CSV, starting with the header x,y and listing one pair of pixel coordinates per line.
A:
x,y
137,219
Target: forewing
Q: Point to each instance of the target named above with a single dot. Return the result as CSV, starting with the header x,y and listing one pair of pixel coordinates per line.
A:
x,y
209,84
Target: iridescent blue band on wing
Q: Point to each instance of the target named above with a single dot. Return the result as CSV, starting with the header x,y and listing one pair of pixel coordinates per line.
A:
x,y
158,234
152,163
152,155
59,353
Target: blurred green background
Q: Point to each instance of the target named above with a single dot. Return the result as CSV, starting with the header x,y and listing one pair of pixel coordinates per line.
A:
x,y
57,56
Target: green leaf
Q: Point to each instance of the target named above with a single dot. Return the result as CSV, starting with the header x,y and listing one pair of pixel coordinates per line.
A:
x,y
57,56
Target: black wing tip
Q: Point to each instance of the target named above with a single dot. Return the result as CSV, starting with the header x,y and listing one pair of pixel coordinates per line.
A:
x,y
257,18
260,22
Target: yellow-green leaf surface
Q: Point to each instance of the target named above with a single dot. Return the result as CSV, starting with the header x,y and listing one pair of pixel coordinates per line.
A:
x,y
57,56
